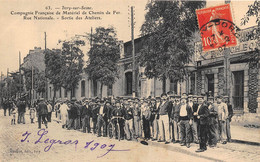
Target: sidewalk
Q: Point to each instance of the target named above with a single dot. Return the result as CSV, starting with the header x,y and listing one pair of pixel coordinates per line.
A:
x,y
241,134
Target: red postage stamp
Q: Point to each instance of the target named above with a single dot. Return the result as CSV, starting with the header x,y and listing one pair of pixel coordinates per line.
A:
x,y
216,27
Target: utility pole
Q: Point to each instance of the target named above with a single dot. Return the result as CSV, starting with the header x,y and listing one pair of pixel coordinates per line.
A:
x,y
227,73
1,88
46,81
133,54
91,32
7,82
32,88
91,89
20,77
45,42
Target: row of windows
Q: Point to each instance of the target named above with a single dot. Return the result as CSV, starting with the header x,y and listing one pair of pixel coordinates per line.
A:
x,y
83,90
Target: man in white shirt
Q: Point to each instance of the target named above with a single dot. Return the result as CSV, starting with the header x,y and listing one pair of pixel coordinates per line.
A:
x,y
49,111
185,118
64,114
102,118
222,118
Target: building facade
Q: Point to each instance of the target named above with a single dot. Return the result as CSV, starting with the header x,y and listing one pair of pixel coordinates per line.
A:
x,y
239,77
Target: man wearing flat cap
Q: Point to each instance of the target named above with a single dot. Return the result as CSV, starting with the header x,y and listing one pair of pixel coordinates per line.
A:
x,y
213,123
42,111
175,117
185,118
86,114
222,118
137,118
118,113
194,126
153,120
202,114
230,115
102,118
128,115
73,114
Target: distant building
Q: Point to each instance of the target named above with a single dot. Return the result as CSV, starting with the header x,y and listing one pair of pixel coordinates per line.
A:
x,y
35,58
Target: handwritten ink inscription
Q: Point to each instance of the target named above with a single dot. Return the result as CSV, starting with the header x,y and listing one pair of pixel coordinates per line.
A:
x,y
51,142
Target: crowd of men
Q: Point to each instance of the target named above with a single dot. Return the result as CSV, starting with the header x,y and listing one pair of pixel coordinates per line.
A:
x,y
170,118
17,109
185,119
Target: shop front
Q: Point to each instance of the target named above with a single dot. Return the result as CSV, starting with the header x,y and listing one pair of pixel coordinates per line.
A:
x,y
238,77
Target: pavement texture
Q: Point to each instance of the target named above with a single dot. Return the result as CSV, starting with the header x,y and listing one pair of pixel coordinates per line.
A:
x,y
19,143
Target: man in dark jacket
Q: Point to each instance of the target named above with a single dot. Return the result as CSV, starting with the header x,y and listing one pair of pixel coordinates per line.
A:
x,y
117,115
9,106
86,113
213,123
4,106
73,114
165,109
102,118
195,121
202,115
21,105
175,119
137,118
154,120
128,115
42,111
94,112
79,110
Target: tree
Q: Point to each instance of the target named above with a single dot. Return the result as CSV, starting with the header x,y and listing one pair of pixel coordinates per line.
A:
x,y
168,31
15,84
54,68
103,57
40,82
253,11
72,59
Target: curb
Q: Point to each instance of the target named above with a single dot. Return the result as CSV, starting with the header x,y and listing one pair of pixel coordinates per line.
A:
x,y
245,142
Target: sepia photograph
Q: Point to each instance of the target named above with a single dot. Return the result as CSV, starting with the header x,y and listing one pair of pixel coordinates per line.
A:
x,y
129,80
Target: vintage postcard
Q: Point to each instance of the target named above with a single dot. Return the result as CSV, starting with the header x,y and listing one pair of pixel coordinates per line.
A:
x,y
129,80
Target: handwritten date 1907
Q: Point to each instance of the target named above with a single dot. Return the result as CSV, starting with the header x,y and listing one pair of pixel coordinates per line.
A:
x,y
51,142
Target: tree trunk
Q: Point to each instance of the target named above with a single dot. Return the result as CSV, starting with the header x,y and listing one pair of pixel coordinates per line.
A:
x,y
101,88
54,96
164,84
71,94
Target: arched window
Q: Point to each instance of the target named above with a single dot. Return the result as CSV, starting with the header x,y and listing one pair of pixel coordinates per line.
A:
x,y
83,88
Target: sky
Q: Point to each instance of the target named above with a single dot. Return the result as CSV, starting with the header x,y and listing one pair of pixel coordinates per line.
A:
x,y
22,35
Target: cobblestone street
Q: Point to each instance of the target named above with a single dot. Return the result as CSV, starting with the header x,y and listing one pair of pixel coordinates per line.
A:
x,y
13,149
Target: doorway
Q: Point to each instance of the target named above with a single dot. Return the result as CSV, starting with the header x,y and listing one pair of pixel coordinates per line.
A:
x,y
238,90
210,78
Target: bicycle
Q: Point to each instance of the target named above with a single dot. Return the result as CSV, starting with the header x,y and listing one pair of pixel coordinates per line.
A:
x,y
111,129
